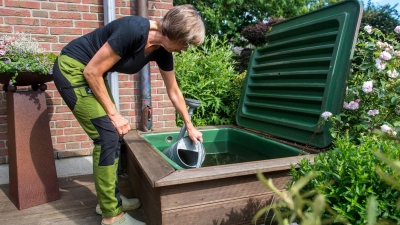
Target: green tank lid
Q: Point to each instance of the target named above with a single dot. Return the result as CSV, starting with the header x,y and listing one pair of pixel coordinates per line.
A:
x,y
301,73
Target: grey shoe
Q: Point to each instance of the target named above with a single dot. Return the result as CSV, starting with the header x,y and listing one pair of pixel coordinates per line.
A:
x,y
128,204
126,219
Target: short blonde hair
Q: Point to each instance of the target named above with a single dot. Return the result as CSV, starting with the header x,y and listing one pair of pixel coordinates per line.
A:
x,y
184,25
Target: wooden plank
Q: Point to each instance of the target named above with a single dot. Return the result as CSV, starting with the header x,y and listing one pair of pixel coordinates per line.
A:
x,y
236,211
147,158
230,170
76,206
204,193
149,196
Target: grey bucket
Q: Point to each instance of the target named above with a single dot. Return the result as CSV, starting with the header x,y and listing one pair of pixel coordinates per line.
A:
x,y
184,152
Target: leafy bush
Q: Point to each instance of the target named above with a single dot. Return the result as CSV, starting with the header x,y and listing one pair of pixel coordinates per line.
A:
x,y
206,73
242,60
383,17
21,52
347,178
372,100
256,34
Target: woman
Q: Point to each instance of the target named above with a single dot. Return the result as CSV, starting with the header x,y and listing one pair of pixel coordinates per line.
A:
x,y
124,45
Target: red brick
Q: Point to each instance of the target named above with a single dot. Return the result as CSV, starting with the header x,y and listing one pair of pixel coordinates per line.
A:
x,y
48,5
86,31
75,124
66,31
5,29
62,124
171,123
88,24
12,12
65,15
3,136
87,16
57,47
23,4
166,117
56,132
96,9
67,1
61,116
126,11
81,137
58,146
21,21
95,2
73,130
32,30
62,109
67,39
56,23
125,84
46,46
64,139
165,104
87,144
72,8
43,14
155,13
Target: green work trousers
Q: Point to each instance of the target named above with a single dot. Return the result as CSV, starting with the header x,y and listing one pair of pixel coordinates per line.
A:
x,y
73,88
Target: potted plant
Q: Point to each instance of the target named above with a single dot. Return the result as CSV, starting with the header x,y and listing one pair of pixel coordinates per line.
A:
x,y
23,62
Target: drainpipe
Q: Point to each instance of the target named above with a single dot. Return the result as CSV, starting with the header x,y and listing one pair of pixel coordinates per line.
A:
x,y
145,81
109,15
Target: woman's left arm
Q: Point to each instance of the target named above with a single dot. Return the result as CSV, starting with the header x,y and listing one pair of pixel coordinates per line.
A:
x,y
176,97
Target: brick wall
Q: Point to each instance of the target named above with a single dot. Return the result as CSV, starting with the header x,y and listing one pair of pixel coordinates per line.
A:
x,y
55,23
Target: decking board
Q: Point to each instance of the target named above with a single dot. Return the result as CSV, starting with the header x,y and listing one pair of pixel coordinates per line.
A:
x,y
76,206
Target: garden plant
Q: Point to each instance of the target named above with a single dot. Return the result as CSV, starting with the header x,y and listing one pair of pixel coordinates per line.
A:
x,y
358,180
21,52
206,73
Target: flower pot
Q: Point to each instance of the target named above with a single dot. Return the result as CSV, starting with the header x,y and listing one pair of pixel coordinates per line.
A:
x,y
33,79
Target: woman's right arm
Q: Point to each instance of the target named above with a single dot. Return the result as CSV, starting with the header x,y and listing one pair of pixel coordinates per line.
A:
x,y
101,62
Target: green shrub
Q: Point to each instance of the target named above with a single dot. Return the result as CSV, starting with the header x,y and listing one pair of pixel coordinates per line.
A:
x,y
347,178
206,73
372,100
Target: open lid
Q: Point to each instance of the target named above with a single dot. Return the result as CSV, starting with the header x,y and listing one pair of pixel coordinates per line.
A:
x,y
300,74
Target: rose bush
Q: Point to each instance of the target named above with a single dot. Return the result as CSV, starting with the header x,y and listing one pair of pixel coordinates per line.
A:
x,y
22,53
373,93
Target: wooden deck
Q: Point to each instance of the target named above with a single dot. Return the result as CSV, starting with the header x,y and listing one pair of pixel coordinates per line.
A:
x,y
76,206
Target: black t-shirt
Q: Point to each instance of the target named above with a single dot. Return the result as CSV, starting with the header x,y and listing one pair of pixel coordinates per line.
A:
x,y
127,36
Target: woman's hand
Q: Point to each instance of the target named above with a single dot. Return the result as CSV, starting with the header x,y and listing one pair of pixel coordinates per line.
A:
x,y
193,133
120,123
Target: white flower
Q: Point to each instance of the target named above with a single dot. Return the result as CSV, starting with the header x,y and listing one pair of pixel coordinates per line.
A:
x,y
385,56
397,29
393,74
373,112
368,29
326,115
345,105
381,44
396,53
380,64
294,223
385,128
367,86
352,105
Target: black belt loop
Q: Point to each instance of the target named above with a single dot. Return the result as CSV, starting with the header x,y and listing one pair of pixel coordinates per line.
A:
x,y
69,87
